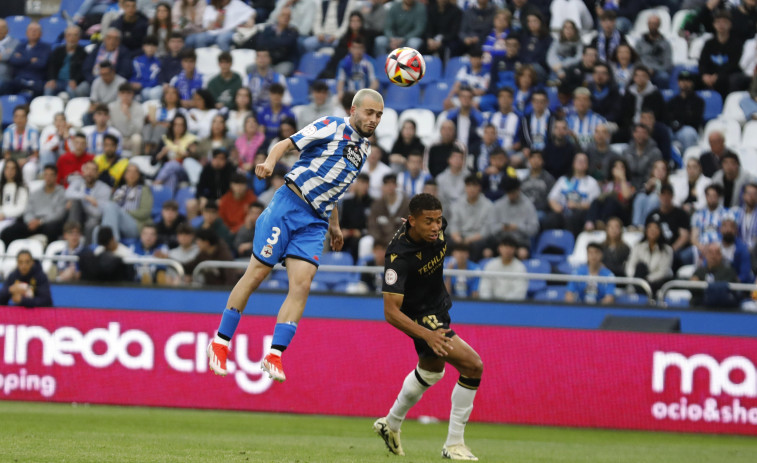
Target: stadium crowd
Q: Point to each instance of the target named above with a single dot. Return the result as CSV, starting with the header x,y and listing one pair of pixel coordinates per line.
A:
x,y
538,122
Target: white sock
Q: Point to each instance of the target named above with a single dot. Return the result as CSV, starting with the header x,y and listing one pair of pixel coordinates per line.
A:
x,y
218,340
275,352
411,393
462,406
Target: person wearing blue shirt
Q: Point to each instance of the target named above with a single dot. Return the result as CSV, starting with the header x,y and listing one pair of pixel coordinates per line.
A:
x,y
355,71
461,286
148,246
189,80
272,114
146,77
467,118
170,63
592,292
29,63
735,251
261,77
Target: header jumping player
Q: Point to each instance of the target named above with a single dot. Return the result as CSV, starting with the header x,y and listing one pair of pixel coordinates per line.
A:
x,y
417,303
293,226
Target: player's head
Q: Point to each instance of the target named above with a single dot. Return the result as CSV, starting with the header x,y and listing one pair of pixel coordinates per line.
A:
x,y
425,217
366,111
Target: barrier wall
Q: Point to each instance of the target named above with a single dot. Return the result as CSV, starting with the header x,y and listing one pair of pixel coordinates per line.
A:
x,y
356,367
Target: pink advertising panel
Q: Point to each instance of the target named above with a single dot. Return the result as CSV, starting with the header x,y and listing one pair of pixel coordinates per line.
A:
x,y
346,367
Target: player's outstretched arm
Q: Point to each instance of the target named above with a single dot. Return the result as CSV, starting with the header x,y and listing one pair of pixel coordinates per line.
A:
x,y
335,231
265,169
436,339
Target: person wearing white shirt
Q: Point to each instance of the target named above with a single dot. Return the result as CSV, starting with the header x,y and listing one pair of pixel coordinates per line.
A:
x,y
411,181
504,288
571,197
574,10
376,171
688,190
220,20
54,139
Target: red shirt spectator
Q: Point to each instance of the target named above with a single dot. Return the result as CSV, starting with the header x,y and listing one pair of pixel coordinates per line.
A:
x,y
71,162
233,205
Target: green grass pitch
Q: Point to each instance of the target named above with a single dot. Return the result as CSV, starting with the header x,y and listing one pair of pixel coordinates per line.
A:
x,y
41,433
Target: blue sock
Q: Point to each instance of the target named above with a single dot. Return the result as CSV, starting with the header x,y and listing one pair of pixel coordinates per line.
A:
x,y
282,335
229,322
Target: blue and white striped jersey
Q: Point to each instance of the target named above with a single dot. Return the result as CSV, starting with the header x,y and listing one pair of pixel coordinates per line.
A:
x,y
27,141
95,138
331,155
707,222
584,127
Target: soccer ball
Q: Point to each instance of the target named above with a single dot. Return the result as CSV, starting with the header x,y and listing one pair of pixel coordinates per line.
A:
x,y
405,66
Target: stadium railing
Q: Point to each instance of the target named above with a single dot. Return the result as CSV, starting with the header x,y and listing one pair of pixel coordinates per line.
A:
x,y
174,265
689,284
449,272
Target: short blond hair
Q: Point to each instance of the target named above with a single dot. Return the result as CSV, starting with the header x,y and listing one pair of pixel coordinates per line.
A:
x,y
357,100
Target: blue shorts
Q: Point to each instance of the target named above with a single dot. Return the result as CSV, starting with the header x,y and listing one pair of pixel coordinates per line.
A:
x,y
288,227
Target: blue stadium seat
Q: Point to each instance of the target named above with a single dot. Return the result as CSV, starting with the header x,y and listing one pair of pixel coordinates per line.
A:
x,y
558,242
537,266
434,95
713,104
332,85
17,26
197,221
70,6
330,279
631,299
667,94
674,75
299,89
378,69
181,197
453,66
311,64
9,102
52,29
565,268
402,98
433,70
551,294
129,242
274,284
160,194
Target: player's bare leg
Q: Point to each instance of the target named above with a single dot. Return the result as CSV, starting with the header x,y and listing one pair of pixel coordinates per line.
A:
x,y
301,275
469,365
218,349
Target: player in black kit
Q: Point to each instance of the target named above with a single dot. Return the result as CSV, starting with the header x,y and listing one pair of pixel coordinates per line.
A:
x,y
417,303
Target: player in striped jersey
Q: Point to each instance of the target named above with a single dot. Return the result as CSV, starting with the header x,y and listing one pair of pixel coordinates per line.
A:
x,y
582,121
293,226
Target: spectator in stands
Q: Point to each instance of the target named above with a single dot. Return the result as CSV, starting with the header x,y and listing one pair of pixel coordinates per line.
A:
x,y
215,178
502,72
412,179
200,117
479,159
566,51
439,152
732,179
186,249
535,125
655,52
14,196
220,19
535,43
29,62
353,214
642,94
659,132
7,45
277,181
106,262
355,71
146,77
473,75
248,144
689,190
149,246
451,181
109,163
615,198
233,205
387,212
470,217
748,62
376,170
747,216
188,81
600,153
262,76
175,146
519,9
274,112
170,64
44,212
211,247
467,116
711,160
605,98
513,215
217,139
508,125
21,143
330,22
225,84
651,259
609,37
91,11
734,249
494,44
560,150
495,173
642,152
170,220
302,13
85,198
574,12
647,197
64,68
55,139
538,183
65,271
105,88
592,292
320,104
27,285
685,112
70,163
443,22
705,223
404,26
583,121
161,26
186,16
130,206
719,59
133,26
280,38
525,81
504,288
571,197
112,51
615,250
459,286
212,220
374,13
580,74
623,66
675,226
158,118
477,22
246,233
717,273
128,118
743,16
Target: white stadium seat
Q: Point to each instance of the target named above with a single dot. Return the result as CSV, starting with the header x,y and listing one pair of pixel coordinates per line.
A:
x,y
640,25
76,108
677,23
732,109
680,50
241,58
730,128
424,123
207,60
388,130
9,262
692,152
748,158
749,138
696,45
144,163
43,109
632,238
52,249
578,256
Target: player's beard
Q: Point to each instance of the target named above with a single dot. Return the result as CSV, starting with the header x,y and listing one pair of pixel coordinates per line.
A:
x,y
359,126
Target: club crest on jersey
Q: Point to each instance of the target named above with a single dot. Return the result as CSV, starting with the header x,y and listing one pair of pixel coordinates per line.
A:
x,y
309,130
352,153
419,255
390,277
392,257
267,251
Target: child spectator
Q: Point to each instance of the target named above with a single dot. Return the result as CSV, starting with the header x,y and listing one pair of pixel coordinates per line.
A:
x,y
146,76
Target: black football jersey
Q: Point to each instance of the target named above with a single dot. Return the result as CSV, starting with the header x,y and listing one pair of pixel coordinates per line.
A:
x,y
415,271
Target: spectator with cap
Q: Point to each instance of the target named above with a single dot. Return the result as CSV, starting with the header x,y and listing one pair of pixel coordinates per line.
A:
x,y
501,287
712,160
591,292
27,285
686,112
29,63
732,178
513,215
719,59
233,205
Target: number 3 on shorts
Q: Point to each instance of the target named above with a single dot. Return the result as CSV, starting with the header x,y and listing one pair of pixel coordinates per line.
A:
x,y
275,232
